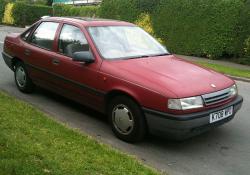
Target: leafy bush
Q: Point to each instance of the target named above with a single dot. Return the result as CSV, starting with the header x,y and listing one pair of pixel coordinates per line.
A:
x,y
22,14
69,10
195,27
3,3
144,21
126,10
8,14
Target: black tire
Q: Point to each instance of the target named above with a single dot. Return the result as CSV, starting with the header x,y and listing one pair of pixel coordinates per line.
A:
x,y
25,85
135,133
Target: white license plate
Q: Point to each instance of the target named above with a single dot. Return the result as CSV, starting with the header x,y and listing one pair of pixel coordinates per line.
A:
x,y
220,115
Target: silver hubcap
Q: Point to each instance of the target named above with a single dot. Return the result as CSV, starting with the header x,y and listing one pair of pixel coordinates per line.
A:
x,y
20,77
123,119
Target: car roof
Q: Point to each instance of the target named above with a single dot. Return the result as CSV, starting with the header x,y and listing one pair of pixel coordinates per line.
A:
x,y
87,21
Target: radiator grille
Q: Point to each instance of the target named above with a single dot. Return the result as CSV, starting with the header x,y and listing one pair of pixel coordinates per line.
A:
x,y
217,97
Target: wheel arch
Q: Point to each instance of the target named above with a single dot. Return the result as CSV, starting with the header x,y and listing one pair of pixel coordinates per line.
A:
x,y
14,61
118,92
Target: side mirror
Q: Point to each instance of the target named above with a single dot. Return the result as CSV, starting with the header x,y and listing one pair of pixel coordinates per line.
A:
x,y
83,56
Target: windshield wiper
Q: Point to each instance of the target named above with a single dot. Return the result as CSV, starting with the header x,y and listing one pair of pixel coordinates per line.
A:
x,y
163,54
140,56
146,56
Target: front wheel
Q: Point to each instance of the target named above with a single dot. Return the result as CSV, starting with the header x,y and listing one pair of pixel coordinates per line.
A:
x,y
23,82
126,119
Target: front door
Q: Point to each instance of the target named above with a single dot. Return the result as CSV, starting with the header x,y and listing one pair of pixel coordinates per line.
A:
x,y
78,80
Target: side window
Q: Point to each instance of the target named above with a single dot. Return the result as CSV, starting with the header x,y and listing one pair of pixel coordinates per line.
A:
x,y
72,40
26,34
44,35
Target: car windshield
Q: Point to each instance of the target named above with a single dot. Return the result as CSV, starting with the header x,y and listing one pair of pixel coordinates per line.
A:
x,y
116,42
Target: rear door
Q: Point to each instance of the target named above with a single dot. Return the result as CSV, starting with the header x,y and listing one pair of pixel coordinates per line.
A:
x,y
79,81
39,53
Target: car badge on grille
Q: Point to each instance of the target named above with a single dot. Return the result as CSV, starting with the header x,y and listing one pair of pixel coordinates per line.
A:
x,y
212,85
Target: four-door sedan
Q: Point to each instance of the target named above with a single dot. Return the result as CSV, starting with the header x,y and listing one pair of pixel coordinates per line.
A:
x,y
117,68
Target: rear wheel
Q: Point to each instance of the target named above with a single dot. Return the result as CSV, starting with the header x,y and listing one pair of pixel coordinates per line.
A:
x,y
126,119
23,82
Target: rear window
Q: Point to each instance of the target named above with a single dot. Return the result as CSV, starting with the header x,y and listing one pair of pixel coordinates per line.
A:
x,y
44,35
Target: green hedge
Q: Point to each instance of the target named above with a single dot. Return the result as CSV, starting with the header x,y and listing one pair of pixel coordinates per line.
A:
x,y
22,14
127,10
193,27
246,47
200,28
242,45
27,14
148,6
69,10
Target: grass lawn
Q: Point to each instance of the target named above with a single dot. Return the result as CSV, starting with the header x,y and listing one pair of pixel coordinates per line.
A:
x,y
226,70
32,143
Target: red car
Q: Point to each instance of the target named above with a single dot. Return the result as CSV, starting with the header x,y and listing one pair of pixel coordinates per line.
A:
x,y
117,68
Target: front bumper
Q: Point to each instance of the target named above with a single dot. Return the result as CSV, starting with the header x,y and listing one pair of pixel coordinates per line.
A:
x,y
179,127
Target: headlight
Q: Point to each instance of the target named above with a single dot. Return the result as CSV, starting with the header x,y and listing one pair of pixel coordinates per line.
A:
x,y
185,103
233,90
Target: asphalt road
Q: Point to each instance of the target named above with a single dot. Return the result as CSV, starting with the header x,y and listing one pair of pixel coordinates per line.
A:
x,y
224,150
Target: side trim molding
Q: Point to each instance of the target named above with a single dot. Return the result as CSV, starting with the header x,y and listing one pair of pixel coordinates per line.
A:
x,y
83,86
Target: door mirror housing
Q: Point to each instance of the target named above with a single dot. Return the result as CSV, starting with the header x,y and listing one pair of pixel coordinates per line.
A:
x,y
83,56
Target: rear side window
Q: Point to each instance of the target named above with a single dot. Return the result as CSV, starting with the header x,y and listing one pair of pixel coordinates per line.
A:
x,y
72,40
44,35
26,34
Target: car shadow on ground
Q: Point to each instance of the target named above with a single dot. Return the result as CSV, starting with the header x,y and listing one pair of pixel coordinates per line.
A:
x,y
71,104
150,141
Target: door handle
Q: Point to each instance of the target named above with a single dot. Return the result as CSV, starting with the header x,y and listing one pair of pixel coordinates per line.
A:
x,y
55,61
27,52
